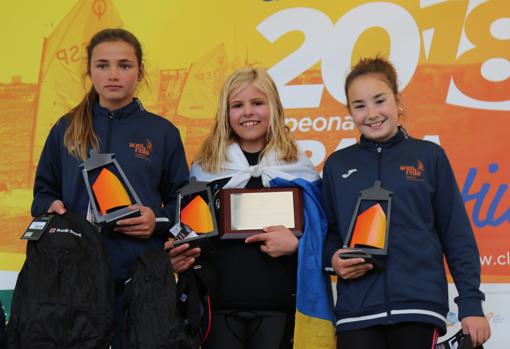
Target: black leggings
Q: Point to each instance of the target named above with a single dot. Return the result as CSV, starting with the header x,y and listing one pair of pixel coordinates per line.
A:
x,y
399,336
250,329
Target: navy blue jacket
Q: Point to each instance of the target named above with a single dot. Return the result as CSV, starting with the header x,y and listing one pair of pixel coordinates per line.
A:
x,y
428,220
150,152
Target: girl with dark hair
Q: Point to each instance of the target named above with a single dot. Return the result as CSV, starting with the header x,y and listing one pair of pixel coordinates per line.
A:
x,y
405,305
148,148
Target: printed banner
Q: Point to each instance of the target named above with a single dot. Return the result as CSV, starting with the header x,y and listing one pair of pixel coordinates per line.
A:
x,y
454,77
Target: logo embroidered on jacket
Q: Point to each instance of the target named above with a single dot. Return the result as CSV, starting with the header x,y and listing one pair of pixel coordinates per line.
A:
x,y
142,150
414,173
350,172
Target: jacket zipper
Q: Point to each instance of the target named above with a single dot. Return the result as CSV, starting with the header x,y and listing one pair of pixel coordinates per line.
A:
x,y
379,162
109,132
379,177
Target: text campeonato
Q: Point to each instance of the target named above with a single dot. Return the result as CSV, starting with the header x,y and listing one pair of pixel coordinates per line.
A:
x,y
320,123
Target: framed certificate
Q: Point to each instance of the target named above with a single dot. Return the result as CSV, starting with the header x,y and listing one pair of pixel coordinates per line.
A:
x,y
244,212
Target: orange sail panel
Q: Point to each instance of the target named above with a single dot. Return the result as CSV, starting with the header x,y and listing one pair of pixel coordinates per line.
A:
x,y
197,216
370,228
109,192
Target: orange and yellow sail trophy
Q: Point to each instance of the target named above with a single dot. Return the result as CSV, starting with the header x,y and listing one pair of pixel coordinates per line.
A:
x,y
195,215
110,193
368,232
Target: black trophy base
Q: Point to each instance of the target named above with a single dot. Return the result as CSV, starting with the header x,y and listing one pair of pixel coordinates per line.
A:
x,y
357,253
111,218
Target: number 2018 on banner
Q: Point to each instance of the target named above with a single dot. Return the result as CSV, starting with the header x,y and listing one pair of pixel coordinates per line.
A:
x,y
483,34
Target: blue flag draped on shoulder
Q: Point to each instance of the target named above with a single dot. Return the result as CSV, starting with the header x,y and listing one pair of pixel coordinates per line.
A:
x,y
314,310
314,318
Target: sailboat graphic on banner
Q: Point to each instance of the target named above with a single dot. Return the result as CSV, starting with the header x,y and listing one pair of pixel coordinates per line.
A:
x,y
203,84
63,63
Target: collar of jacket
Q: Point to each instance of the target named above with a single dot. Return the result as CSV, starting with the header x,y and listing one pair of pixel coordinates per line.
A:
x,y
120,113
401,135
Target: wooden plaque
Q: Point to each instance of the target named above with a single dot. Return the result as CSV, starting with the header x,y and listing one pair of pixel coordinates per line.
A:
x,y
244,212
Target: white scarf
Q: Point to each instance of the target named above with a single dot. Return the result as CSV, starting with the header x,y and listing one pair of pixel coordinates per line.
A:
x,y
236,166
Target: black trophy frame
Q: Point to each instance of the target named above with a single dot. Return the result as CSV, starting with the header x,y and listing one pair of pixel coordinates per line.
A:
x,y
193,187
459,340
375,193
99,160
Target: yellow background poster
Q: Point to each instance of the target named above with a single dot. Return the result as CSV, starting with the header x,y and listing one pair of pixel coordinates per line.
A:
x,y
452,57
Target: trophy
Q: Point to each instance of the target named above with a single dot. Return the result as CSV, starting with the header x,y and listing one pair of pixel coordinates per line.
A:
x,y
245,212
458,341
195,218
109,190
367,236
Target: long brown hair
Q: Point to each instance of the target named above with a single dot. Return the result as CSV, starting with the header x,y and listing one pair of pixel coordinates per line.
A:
x,y
214,149
80,134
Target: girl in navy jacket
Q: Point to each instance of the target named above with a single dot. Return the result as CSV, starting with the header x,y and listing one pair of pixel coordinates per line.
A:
x,y
405,305
148,148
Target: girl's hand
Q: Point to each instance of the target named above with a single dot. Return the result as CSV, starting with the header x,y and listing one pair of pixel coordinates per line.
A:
x,y
276,241
477,327
141,227
349,268
57,207
181,257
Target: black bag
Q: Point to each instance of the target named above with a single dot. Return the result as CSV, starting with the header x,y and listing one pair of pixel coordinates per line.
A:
x,y
150,301
3,332
64,294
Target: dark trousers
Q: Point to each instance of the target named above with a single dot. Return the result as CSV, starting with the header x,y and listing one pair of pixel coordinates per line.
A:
x,y
399,336
119,317
251,329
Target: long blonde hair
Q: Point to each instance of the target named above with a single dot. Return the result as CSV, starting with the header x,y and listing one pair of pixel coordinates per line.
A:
x,y
278,138
80,134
